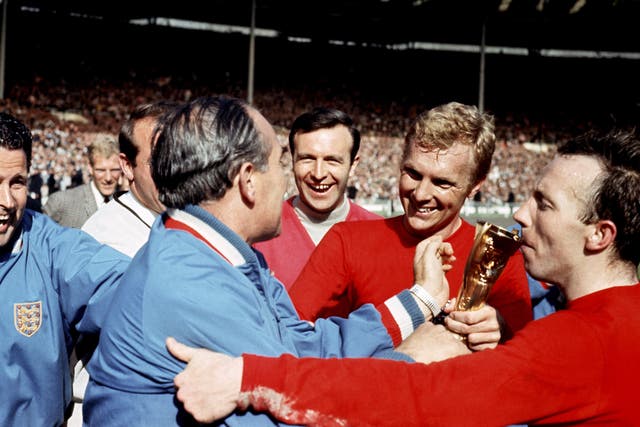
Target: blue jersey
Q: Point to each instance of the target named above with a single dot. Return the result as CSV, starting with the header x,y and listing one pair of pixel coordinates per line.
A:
x,y
54,284
202,284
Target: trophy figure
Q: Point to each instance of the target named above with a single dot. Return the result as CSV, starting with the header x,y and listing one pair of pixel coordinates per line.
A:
x,y
492,247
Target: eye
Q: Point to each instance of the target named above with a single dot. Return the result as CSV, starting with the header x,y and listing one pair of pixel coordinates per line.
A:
x,y
18,183
542,205
412,173
541,202
443,184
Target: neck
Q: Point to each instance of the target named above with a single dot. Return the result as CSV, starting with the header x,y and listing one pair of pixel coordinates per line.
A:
x,y
340,212
317,224
230,214
596,277
445,232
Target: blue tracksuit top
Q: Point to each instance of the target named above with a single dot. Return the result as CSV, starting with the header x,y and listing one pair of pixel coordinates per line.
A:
x,y
214,292
55,283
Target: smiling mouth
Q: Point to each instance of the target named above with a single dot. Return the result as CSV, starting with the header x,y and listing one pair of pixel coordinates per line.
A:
x,y
4,221
425,210
320,188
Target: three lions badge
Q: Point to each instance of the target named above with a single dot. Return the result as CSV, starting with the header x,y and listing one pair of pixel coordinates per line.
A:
x,y
27,317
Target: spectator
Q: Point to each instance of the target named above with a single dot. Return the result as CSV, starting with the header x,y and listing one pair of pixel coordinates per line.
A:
x,y
72,208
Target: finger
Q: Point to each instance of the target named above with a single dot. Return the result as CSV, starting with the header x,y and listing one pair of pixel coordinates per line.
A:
x,y
455,326
179,350
483,341
445,249
450,305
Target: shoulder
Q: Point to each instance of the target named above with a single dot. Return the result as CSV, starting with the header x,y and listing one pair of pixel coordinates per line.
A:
x,y
70,194
45,233
362,231
357,212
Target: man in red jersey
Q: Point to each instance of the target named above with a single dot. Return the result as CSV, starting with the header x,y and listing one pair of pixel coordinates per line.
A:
x,y
447,155
324,146
577,366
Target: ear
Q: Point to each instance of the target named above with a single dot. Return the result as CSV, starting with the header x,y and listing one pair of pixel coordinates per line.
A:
x,y
126,167
602,236
475,189
355,162
247,180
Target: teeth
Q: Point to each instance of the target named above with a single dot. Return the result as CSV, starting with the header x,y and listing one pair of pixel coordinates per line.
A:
x,y
425,210
320,187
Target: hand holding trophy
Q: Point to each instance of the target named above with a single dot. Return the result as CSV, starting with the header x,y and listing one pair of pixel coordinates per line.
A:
x,y
492,248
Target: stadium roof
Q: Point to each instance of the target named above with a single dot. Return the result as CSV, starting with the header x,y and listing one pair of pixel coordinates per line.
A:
x,y
589,25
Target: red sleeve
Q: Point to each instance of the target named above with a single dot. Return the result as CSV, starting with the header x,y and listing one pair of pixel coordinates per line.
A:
x,y
539,378
321,288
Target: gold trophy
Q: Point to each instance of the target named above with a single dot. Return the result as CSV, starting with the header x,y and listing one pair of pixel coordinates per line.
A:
x,y
492,247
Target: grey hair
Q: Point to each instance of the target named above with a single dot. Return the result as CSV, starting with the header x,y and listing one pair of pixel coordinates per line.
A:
x,y
201,148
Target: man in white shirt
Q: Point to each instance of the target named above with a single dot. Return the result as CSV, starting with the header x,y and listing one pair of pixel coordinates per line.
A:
x,y
124,223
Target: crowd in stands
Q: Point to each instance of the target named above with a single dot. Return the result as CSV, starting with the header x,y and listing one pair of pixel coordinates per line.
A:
x,y
65,117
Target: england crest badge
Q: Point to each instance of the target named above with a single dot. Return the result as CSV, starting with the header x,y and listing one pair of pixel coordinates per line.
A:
x,y
27,317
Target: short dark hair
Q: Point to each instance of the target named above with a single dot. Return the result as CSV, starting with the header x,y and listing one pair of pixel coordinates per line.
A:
x,y
324,118
15,135
615,195
200,149
152,110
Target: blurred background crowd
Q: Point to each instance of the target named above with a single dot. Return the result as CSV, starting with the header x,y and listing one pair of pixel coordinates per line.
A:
x,y
65,118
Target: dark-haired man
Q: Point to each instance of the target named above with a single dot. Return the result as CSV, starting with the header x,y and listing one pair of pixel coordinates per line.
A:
x,y
324,144
55,283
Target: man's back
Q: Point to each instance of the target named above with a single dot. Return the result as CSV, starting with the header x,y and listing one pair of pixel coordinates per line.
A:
x,y
219,295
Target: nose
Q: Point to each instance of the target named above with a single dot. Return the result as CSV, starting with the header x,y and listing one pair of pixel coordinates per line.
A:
x,y
7,200
319,170
423,191
521,216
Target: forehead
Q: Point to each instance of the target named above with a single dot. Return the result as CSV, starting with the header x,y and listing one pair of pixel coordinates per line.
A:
x,y
100,160
335,139
12,162
457,159
570,177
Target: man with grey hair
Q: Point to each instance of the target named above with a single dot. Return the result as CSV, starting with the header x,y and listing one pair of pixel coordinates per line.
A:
x,y
218,168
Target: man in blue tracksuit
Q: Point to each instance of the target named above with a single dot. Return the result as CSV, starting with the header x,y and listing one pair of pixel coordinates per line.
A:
x,y
218,166
54,284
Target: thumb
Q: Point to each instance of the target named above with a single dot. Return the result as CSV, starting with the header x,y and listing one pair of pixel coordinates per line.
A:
x,y
179,350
